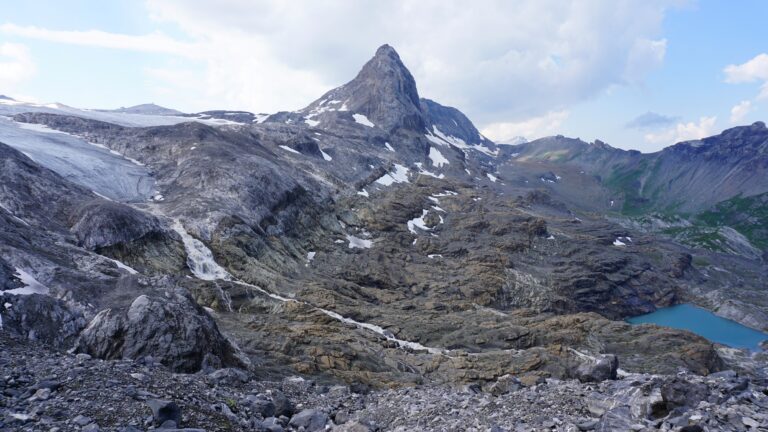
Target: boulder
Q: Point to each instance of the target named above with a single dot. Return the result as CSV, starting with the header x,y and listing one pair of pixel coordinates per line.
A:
x,y
603,367
679,392
311,420
283,406
164,411
175,331
504,385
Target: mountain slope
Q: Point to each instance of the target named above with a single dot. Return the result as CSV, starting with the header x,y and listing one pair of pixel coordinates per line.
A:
x,y
376,237
685,178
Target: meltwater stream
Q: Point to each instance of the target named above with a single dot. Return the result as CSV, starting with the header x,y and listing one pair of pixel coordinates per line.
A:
x,y
203,266
706,324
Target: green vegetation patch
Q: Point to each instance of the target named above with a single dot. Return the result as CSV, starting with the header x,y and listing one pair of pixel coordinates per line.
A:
x,y
747,215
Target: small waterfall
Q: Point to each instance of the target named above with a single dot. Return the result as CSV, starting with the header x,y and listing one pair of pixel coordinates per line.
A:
x,y
199,258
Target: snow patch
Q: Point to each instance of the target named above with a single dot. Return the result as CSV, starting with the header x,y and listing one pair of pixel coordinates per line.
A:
x,y
31,285
418,223
286,148
326,156
389,147
437,158
363,120
492,177
387,334
438,137
399,175
419,165
121,265
364,193
357,242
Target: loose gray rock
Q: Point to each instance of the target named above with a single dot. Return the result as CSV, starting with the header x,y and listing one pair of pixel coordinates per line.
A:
x,y
602,368
164,411
311,420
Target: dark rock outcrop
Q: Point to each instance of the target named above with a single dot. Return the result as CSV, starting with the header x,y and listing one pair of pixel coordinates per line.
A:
x,y
100,224
174,331
40,318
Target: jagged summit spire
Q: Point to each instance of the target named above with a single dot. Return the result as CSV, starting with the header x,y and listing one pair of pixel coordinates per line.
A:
x,y
391,74
384,91
386,50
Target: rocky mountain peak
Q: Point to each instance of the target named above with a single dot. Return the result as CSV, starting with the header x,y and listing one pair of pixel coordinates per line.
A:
x,y
384,91
390,76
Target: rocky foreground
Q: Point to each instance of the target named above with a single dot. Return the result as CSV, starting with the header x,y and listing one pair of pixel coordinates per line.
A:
x,y
42,390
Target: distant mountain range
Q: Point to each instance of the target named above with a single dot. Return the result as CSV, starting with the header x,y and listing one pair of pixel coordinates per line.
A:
x,y
147,109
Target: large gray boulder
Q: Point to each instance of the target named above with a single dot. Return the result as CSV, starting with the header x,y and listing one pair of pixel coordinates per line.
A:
x,y
309,419
175,331
601,368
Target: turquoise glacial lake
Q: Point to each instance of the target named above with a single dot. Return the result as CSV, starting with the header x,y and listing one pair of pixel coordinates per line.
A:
x,y
704,323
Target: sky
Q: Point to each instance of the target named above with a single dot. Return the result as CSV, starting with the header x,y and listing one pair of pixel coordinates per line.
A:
x,y
639,74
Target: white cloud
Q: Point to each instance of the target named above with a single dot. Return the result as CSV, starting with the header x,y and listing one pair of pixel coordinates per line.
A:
x,y
740,111
684,132
496,60
532,128
153,43
753,70
16,65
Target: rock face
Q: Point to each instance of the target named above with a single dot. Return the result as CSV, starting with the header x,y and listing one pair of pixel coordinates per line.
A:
x,y
384,91
25,187
176,332
40,318
452,122
7,278
100,224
